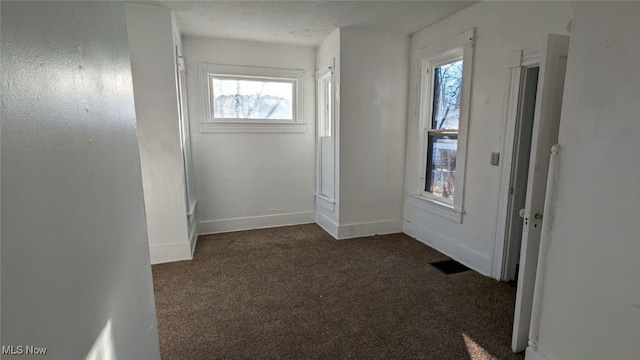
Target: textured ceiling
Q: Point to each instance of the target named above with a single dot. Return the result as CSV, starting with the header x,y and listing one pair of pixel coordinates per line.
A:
x,y
304,22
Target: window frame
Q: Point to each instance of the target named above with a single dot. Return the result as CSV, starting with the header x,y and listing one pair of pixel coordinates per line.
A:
x,y
457,48
325,93
210,124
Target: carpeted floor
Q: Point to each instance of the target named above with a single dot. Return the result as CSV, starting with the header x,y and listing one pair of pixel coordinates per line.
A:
x,y
296,293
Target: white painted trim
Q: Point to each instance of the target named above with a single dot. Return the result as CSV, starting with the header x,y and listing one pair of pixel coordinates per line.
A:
x,y
323,72
546,123
356,230
549,212
193,242
225,127
251,71
533,354
325,202
193,234
530,56
327,224
318,146
517,61
446,245
192,208
463,129
508,129
442,47
210,125
171,252
460,46
524,58
255,222
431,205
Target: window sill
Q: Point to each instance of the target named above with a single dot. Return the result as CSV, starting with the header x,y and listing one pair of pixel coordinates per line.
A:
x,y
253,127
436,207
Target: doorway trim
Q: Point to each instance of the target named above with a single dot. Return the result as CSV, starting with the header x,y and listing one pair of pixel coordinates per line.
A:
x,y
517,61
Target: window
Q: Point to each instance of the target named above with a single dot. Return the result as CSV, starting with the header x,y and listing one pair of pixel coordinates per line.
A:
x,y
442,133
443,116
242,98
325,144
251,99
325,112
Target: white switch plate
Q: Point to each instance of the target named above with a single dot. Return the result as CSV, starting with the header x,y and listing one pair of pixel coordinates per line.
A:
x,y
495,158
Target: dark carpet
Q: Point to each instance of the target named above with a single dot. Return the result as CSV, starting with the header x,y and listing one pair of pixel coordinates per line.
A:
x,y
296,293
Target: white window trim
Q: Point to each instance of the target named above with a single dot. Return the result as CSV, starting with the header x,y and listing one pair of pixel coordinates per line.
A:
x,y
210,125
326,72
322,76
460,46
433,206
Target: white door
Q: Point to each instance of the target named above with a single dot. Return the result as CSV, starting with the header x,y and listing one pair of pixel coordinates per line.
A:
x,y
545,134
520,169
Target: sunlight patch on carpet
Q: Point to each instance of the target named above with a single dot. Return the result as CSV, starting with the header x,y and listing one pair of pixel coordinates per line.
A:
x,y
476,352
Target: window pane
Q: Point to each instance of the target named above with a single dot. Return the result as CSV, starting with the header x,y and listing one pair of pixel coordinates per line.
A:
x,y
324,107
447,88
252,99
329,114
441,166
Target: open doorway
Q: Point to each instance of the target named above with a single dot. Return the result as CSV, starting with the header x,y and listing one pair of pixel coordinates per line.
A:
x,y
519,172
533,118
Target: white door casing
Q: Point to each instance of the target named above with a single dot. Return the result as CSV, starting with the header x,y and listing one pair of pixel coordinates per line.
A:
x,y
518,62
545,135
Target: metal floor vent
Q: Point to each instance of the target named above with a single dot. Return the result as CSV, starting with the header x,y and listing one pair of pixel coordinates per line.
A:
x,y
449,267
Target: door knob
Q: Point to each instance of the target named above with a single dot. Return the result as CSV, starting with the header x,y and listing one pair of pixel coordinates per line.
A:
x,y
521,212
538,216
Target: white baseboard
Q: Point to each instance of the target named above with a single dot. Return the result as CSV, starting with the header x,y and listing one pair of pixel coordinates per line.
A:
x,y
356,230
446,245
255,222
193,239
168,253
532,354
193,232
327,224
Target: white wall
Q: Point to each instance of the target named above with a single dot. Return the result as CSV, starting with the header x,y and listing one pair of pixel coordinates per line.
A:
x,y
246,180
373,97
591,294
501,27
76,276
327,53
153,66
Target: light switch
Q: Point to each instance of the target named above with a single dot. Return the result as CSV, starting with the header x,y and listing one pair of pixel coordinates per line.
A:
x,y
495,158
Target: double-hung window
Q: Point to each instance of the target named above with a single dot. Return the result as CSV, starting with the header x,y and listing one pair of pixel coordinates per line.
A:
x,y
445,75
443,128
251,99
